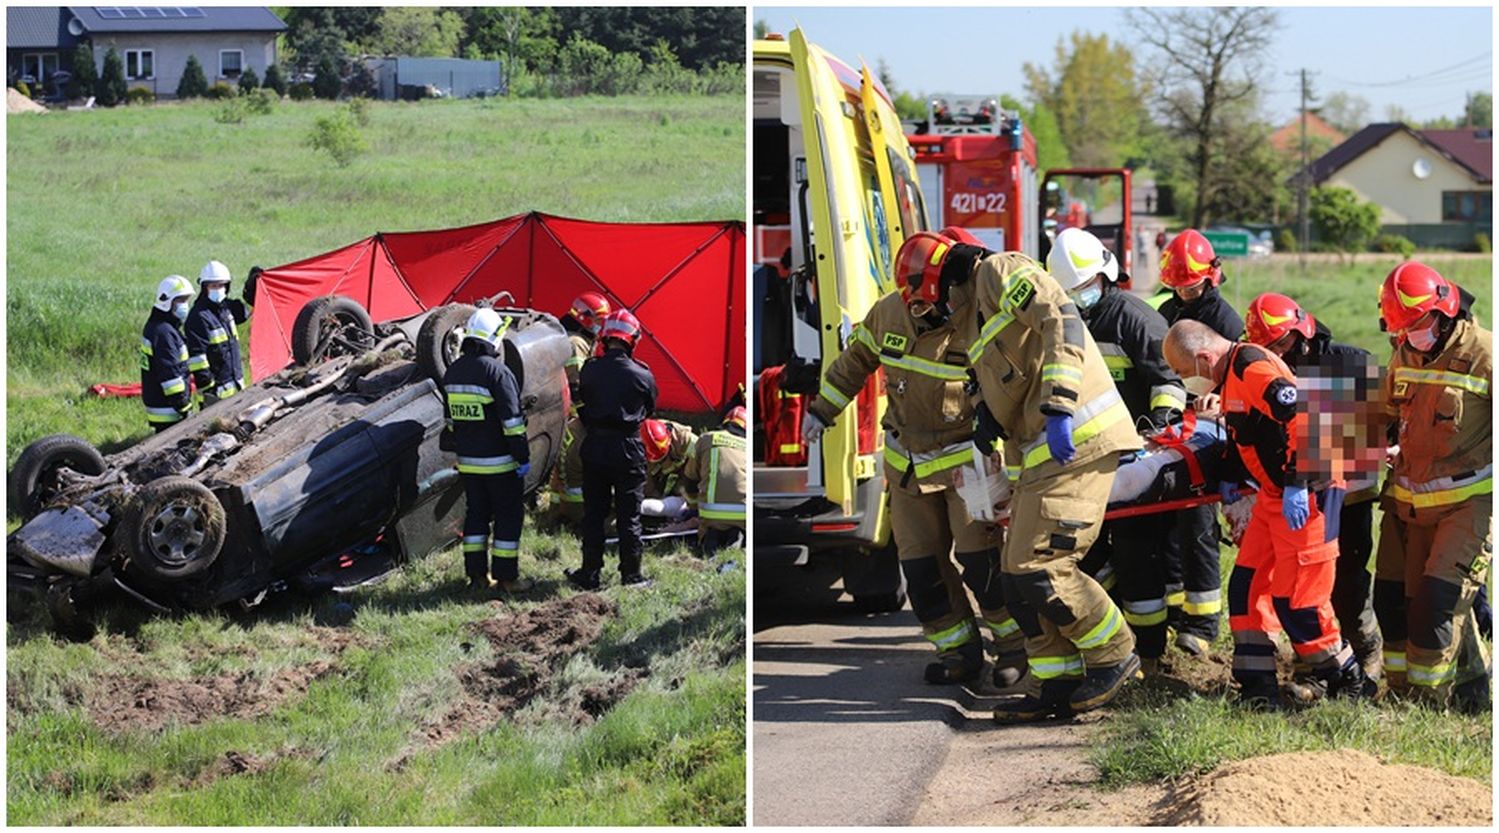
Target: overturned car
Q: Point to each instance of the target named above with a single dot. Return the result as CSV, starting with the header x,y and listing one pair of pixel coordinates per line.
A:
x,y
325,474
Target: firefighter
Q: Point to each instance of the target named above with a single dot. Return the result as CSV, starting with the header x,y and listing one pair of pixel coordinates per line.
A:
x,y
1128,334
582,321
715,482
1281,326
164,369
1436,538
1286,562
668,447
212,333
567,481
616,392
1191,270
1047,393
920,336
489,436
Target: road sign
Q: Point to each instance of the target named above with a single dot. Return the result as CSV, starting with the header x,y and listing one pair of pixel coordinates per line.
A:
x,y
1229,243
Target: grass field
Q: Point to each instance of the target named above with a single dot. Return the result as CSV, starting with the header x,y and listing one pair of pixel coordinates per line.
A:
x,y
1165,733
418,711
105,204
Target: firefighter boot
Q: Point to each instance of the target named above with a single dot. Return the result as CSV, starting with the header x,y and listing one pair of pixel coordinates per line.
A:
x,y
1052,701
1009,669
959,665
583,579
1192,644
1350,683
1261,693
1101,685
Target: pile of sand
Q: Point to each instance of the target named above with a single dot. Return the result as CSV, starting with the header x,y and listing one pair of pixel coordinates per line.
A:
x,y
1316,789
17,103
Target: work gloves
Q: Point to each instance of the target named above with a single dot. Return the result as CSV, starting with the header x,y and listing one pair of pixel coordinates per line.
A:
x,y
986,429
1059,437
1294,508
812,427
1229,491
523,469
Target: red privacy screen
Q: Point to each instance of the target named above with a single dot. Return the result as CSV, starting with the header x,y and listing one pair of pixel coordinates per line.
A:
x,y
684,281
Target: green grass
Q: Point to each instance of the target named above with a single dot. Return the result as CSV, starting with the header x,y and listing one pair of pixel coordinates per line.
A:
x,y
102,206
105,204
672,752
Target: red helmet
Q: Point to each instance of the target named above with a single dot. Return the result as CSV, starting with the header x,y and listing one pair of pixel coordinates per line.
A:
x,y
958,234
657,439
620,324
1413,290
737,416
1272,315
589,310
1189,259
918,266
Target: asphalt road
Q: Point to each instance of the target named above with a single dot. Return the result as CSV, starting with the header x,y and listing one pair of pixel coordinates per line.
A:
x,y
845,731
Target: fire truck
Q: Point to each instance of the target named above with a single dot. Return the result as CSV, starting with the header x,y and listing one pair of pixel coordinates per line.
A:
x,y
977,168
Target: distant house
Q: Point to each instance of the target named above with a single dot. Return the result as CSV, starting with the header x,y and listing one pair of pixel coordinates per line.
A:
x,y
1319,134
1417,177
153,41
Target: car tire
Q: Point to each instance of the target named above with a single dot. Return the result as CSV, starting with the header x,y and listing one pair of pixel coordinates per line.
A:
x,y
319,319
172,528
32,480
438,339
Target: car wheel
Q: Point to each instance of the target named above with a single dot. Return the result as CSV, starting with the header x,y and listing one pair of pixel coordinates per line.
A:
x,y
33,480
321,319
173,528
438,340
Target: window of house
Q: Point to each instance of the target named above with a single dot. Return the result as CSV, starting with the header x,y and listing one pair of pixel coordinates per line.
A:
x,y
39,66
231,62
1468,206
140,64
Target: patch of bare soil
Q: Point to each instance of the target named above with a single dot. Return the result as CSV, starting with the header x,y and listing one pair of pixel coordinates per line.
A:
x,y
530,648
17,103
1338,788
121,703
233,763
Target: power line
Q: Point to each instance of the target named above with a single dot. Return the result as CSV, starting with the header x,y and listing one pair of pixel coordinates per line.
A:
x,y
1461,65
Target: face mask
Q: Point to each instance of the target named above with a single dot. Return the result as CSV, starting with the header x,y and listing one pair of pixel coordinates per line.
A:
x,y
1423,340
217,295
180,310
1088,295
1198,385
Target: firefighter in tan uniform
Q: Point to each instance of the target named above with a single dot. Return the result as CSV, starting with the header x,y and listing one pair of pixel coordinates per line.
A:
x,y
566,484
1047,392
716,483
920,337
582,322
1436,541
668,445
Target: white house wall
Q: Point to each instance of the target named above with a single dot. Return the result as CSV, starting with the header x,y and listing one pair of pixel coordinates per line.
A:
x,y
173,48
1383,175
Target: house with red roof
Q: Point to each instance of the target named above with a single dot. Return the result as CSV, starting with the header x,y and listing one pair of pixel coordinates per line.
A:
x,y
1416,177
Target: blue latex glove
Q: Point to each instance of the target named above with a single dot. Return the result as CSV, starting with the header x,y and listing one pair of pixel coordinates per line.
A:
x,y
1229,491
523,469
1293,506
1059,437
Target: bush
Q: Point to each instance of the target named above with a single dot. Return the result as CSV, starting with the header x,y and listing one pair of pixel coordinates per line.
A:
x,y
725,78
260,102
274,80
230,112
85,74
327,83
301,91
193,84
1481,243
359,111
339,136
1395,244
140,95
1285,241
111,88
23,89
221,90
1342,220
248,80
666,75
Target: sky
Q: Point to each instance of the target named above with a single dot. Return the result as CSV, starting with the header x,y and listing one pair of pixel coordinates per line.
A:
x,y
1424,60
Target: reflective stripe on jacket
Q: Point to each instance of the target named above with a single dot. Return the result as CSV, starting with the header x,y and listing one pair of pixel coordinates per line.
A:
x,y
715,479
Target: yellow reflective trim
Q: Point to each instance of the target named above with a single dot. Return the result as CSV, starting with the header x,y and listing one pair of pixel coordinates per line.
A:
x,y
1445,497
1101,633
470,398
175,386
1118,362
1145,619
991,330
1202,608
1472,384
937,370
1081,434
1176,599
1167,400
1394,661
1431,675
1008,627
926,468
833,396
1050,668
790,448
1061,371
953,637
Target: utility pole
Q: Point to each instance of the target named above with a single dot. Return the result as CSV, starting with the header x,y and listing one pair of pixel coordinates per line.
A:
x,y
1303,182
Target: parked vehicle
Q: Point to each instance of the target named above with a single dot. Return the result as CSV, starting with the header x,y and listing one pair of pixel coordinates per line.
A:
x,y
255,493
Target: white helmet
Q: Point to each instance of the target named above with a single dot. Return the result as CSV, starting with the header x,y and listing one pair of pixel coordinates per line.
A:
x,y
214,272
171,288
1077,256
487,326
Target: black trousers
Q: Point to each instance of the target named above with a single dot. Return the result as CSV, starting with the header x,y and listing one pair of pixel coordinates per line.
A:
x,y
618,480
1137,545
1192,565
493,499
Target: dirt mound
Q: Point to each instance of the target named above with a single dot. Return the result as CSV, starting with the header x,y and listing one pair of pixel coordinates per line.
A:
x,y
530,648
17,103
1336,788
122,703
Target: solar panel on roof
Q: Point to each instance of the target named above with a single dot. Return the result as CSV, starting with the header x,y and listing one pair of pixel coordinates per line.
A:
x,y
109,12
190,11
